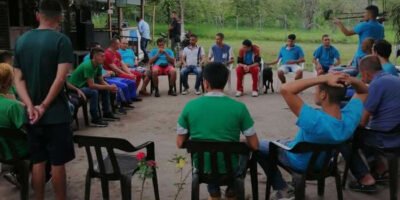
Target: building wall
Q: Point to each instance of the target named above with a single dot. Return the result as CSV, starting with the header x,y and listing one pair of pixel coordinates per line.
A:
x,y
4,25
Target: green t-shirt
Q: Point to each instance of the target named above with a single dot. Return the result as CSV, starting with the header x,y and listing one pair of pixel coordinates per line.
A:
x,y
37,54
83,72
12,115
215,118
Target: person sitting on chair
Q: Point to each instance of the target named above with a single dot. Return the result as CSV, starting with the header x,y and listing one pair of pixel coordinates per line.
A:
x,y
163,61
328,125
291,56
127,54
227,119
381,115
221,52
193,58
383,49
84,78
325,56
248,62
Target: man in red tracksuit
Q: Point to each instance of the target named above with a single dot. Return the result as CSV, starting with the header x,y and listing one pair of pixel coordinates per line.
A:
x,y
248,62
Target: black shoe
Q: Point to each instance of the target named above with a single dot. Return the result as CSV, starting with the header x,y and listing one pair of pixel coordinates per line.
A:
x,y
171,93
127,106
157,93
99,123
137,99
358,187
110,117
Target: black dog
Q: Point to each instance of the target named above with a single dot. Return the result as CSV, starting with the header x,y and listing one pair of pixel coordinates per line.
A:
x,y
268,80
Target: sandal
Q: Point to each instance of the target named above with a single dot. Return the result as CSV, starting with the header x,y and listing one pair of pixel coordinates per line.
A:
x,y
380,178
358,187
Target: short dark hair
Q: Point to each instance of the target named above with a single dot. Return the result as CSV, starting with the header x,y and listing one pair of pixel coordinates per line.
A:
x,y
95,51
383,48
138,19
374,10
324,36
370,63
114,40
291,37
247,43
216,74
174,12
221,35
335,94
4,56
193,35
159,40
94,45
50,8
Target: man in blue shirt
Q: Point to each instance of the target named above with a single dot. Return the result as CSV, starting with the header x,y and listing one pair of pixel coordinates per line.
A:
x,y
221,52
325,56
368,28
383,49
290,57
381,115
328,125
127,54
163,61
144,31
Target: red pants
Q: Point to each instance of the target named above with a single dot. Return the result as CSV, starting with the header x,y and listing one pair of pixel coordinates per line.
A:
x,y
137,76
240,75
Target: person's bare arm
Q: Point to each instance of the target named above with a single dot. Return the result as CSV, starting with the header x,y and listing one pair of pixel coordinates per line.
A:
x,y
20,86
183,60
125,68
77,90
169,58
300,60
273,62
252,142
153,59
116,69
365,119
180,140
360,88
345,31
95,86
337,63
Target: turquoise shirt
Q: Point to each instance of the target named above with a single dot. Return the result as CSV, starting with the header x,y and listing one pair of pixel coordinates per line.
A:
x,y
162,59
128,57
390,69
292,53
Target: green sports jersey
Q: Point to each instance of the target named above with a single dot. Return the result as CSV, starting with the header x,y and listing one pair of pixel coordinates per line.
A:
x,y
215,117
12,115
83,72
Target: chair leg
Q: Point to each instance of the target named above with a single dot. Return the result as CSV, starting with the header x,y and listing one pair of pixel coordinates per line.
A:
x,y
104,189
195,187
268,189
155,185
239,189
88,183
254,178
126,184
346,169
321,187
393,174
300,187
338,186
85,114
22,168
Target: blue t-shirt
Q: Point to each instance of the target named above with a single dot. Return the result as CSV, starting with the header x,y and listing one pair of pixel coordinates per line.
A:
x,y
383,102
326,56
317,126
369,29
248,58
293,53
162,59
128,56
390,69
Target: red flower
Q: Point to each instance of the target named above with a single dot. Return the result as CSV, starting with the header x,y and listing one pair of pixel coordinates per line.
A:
x,y
140,156
151,163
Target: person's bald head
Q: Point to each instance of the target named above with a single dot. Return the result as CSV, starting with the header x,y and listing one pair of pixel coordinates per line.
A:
x,y
124,43
369,66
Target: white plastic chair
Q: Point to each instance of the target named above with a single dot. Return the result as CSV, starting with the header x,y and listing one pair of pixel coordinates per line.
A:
x,y
288,75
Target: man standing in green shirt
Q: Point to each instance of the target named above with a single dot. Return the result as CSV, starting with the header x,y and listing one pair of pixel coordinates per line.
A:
x,y
216,117
43,58
84,78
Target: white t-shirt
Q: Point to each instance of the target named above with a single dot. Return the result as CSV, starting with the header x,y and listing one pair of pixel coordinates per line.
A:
x,y
191,53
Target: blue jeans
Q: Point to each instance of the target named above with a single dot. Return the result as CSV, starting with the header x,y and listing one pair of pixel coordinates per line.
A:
x,y
127,88
93,96
277,181
143,46
185,73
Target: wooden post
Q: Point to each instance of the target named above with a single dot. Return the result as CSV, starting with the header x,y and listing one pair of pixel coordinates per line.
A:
x,y
109,19
119,21
154,21
142,8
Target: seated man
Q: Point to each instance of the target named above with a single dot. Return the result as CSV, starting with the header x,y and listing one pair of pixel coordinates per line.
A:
x,y
221,52
248,62
383,49
129,58
328,125
381,115
325,56
163,61
192,58
84,78
113,62
226,119
291,56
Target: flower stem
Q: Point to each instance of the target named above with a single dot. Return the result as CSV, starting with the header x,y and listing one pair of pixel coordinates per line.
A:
x,y
143,181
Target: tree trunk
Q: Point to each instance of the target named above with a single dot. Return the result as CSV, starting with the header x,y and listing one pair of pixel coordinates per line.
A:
x,y
154,21
182,9
309,7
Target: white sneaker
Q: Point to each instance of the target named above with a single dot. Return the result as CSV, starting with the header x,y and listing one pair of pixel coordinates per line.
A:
x,y
285,194
254,94
185,92
197,92
238,94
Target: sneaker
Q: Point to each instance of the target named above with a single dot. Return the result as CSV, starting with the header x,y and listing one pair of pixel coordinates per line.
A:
x,y
120,111
197,92
185,91
156,93
110,117
358,187
254,94
239,94
282,195
99,123
127,106
172,93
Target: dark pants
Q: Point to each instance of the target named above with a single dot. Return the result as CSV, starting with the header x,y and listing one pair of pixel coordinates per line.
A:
x,y
93,96
185,73
143,46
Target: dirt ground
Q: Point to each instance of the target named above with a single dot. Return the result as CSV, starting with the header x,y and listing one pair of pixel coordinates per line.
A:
x,y
154,119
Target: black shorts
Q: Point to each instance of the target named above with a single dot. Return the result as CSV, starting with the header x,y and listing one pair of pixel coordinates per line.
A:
x,y
52,143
